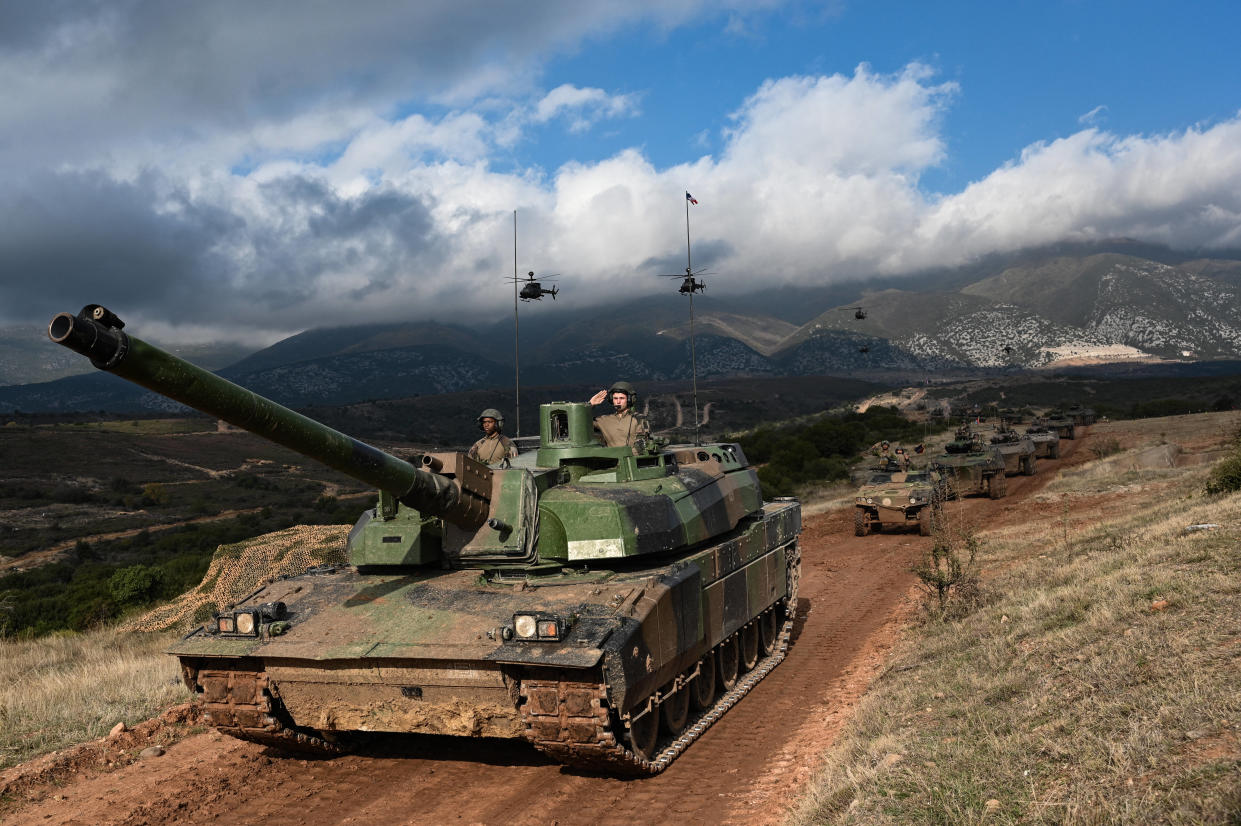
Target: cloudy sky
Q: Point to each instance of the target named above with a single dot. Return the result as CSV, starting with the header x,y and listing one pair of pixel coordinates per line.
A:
x,y
247,170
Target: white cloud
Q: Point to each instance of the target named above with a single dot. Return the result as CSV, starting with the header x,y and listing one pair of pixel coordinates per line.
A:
x,y
1093,116
583,107
268,176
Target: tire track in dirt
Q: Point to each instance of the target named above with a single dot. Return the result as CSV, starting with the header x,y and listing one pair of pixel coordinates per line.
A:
x,y
750,767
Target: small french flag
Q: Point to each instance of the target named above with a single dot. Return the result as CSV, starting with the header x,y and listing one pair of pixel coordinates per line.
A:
x,y
691,198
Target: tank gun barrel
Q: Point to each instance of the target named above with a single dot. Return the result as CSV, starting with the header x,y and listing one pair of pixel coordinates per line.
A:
x,y
97,333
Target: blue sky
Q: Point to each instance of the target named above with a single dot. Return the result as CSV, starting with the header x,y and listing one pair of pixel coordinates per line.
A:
x,y
245,171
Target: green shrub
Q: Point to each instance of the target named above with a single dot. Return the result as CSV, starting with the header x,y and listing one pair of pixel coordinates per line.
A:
x,y
1226,475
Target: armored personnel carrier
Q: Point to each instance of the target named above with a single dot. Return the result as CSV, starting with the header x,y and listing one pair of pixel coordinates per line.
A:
x,y
1017,449
973,466
1061,422
899,498
1046,439
604,604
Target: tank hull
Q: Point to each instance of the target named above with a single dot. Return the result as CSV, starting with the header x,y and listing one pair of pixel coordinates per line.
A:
x,y
425,651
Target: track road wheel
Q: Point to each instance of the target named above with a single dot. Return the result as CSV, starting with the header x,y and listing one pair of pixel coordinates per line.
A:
x,y
644,734
702,690
768,631
749,646
674,711
924,522
861,525
729,664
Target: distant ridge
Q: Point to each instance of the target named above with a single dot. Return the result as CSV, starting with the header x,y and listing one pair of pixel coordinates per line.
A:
x,y
1067,306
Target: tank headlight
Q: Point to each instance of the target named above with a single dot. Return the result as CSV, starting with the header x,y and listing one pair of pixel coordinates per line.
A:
x,y
887,501
525,625
245,623
539,626
225,624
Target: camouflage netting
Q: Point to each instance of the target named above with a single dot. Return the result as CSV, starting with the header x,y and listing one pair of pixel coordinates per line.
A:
x,y
239,569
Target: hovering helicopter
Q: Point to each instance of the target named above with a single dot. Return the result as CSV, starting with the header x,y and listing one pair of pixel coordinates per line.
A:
x,y
690,284
532,290
865,348
858,312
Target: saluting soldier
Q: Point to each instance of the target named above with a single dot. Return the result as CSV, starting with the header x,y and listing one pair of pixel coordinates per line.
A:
x,y
494,448
623,427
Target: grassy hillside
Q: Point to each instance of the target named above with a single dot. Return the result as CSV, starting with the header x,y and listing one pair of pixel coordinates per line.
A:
x,y
1093,682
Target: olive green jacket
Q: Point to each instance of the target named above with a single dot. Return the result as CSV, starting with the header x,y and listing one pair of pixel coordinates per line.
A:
x,y
493,449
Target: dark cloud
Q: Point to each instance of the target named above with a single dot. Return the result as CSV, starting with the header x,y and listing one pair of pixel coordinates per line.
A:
x,y
75,238
84,237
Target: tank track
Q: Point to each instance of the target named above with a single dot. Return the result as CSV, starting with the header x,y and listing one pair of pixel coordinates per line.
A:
x,y
572,720
242,704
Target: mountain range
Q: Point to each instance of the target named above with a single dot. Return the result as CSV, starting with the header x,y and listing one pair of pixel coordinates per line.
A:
x,y
1121,303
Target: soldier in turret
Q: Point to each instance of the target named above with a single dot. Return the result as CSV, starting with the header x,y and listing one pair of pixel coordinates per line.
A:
x,y
494,448
624,427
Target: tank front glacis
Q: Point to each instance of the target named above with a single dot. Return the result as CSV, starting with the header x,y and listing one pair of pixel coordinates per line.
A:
x,y
606,604
898,498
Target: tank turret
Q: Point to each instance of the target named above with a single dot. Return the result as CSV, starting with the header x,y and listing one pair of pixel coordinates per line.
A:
x,y
604,603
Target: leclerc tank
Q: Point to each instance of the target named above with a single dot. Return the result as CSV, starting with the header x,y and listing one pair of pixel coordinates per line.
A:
x,y
605,604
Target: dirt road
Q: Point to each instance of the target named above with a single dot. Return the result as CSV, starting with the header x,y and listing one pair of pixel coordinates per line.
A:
x,y
856,595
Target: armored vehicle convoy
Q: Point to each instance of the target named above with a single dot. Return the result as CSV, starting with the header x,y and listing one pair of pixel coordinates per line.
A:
x,y
1017,449
605,604
899,498
1061,422
1046,439
973,466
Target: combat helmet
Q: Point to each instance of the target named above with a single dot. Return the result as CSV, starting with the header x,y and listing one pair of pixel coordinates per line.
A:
x,y
623,387
491,413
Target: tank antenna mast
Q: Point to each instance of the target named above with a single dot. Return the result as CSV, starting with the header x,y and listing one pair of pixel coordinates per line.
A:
x,y
516,336
693,356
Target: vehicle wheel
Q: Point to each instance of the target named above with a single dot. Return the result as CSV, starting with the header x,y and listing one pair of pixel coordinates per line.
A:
x,y
861,525
1029,468
644,733
924,522
768,631
749,646
729,664
675,711
703,689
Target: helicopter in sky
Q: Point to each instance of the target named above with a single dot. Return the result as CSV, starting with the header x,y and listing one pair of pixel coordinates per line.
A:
x,y
691,284
532,290
858,312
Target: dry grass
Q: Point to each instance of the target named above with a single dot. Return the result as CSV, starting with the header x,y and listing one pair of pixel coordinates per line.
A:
x,y
1101,687
65,689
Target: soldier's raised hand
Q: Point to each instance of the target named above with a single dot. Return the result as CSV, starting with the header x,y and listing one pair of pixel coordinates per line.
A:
x,y
599,397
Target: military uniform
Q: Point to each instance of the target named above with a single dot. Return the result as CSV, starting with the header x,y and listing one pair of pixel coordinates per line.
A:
x,y
622,429
493,449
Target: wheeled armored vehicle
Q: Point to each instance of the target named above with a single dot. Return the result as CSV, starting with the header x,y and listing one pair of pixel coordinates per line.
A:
x,y
899,498
606,604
